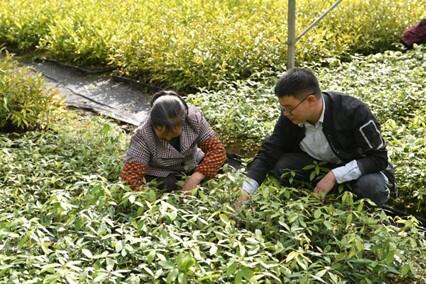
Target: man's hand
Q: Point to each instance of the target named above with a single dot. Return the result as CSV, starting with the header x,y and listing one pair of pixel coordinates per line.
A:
x,y
325,185
191,183
243,199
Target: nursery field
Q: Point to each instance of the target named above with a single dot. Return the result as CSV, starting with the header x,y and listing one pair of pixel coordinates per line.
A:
x,y
65,216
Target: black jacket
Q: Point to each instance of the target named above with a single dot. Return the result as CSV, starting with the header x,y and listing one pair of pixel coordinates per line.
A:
x,y
349,126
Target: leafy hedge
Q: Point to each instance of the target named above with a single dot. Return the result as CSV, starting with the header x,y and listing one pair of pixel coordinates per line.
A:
x,y
391,83
64,217
194,43
25,103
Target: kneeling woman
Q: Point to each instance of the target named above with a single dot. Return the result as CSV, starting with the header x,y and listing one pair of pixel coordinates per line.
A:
x,y
175,140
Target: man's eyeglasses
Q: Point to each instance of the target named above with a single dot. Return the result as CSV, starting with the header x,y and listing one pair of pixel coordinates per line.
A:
x,y
290,110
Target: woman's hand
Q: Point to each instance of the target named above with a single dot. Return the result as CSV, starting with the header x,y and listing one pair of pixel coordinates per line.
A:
x,y
191,183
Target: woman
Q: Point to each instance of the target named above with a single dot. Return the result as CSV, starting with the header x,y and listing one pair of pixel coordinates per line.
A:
x,y
167,145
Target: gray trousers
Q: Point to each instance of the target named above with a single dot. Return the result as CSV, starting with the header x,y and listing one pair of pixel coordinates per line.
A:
x,y
374,186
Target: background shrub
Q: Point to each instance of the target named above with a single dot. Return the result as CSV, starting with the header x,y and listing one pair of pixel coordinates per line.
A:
x,y
25,102
23,23
195,43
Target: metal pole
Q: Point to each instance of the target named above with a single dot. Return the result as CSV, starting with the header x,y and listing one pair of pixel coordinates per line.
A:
x,y
291,42
317,20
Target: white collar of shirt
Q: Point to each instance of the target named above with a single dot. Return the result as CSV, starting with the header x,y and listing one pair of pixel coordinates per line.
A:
x,y
320,120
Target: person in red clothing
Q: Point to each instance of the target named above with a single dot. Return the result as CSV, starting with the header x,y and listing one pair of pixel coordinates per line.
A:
x,y
414,34
174,141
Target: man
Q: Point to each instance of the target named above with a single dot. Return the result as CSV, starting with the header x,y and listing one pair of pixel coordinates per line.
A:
x,y
329,127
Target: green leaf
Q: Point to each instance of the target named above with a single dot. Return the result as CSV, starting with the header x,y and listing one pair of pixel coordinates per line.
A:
x,y
184,262
407,269
87,253
328,225
349,219
118,246
132,198
321,273
172,275
224,218
231,269
334,278
317,213
182,278
246,272
213,249
312,176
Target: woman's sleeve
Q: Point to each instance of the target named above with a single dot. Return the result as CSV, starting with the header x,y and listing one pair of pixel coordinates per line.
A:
x,y
135,162
133,174
214,151
206,131
215,156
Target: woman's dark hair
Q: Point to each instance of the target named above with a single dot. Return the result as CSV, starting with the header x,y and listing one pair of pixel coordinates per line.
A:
x,y
168,110
296,82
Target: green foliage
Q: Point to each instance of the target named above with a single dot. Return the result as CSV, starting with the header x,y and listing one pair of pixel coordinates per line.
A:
x,y
23,23
195,43
391,83
64,217
24,102
243,113
83,34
